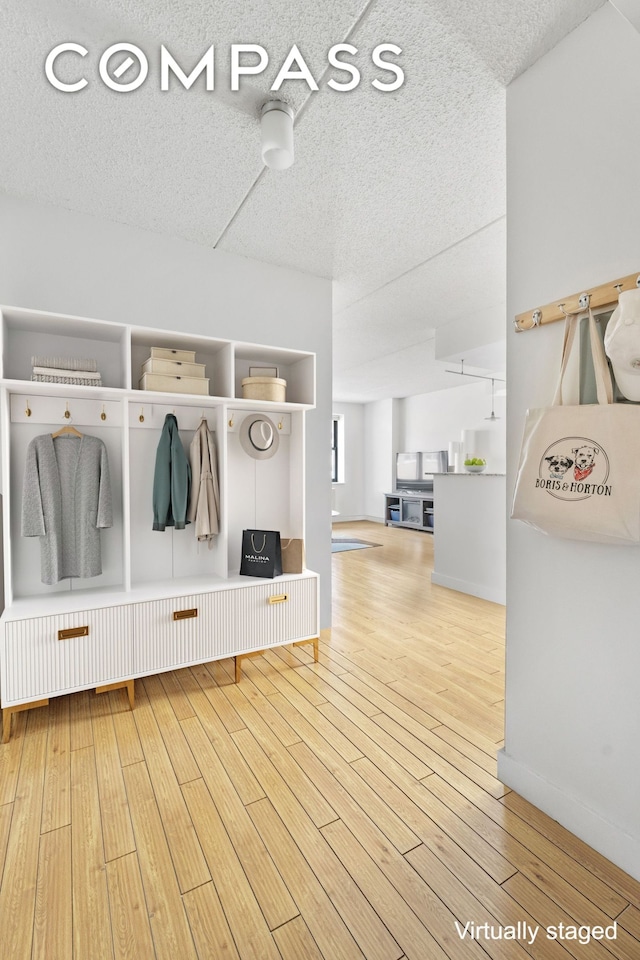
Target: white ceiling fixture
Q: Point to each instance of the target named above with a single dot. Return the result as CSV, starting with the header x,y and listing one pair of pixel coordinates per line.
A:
x,y
493,401
478,376
276,124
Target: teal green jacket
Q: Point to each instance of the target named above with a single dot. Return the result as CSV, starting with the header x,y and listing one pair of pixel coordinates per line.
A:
x,y
172,479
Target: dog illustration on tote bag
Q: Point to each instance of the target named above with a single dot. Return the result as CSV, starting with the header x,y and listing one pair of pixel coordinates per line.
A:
x,y
585,461
589,460
558,465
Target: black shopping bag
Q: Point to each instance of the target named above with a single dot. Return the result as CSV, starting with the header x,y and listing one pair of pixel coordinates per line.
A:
x,y
261,553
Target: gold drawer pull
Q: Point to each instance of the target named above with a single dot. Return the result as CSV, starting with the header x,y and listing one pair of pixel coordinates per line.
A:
x,y
73,632
185,614
280,598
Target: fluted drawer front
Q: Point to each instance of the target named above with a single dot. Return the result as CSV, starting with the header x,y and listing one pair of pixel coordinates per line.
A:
x,y
182,630
47,655
278,612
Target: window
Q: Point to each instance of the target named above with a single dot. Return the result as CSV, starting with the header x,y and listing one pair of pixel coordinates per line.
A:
x,y
337,449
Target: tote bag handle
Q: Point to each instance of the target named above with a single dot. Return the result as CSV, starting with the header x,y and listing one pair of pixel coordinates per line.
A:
x,y
603,377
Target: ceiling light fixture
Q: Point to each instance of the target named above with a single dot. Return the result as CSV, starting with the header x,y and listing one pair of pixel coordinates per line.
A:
x,y
493,405
478,376
276,122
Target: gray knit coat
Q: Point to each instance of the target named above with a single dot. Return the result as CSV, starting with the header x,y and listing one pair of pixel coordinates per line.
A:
x,y
66,500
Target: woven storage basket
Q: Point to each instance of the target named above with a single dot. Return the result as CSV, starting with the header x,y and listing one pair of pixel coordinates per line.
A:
x,y
264,388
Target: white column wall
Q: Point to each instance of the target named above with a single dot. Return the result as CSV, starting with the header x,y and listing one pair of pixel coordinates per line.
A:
x,y
379,422
573,649
58,261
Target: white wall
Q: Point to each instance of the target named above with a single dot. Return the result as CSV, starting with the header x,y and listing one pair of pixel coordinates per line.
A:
x,y
54,260
431,420
469,550
348,497
573,648
380,438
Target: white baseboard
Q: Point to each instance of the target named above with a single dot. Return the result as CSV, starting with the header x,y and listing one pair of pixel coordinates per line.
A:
x,y
341,519
605,837
494,594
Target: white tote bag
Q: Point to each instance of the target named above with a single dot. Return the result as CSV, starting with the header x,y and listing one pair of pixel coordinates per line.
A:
x,y
579,472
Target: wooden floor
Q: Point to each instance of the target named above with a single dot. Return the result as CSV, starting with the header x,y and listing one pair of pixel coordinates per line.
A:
x,y
337,810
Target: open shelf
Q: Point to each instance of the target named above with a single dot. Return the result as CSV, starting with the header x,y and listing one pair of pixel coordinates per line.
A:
x,y
26,333
412,510
297,368
214,354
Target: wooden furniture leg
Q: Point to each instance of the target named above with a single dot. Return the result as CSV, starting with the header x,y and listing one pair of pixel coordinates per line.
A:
x,y
8,712
129,684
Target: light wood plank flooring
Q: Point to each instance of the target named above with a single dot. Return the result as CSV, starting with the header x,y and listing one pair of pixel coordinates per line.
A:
x,y
337,810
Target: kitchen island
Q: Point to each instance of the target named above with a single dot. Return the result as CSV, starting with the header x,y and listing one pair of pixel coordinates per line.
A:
x,y
470,539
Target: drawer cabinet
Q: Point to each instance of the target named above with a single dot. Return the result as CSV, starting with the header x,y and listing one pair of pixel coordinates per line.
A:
x,y
48,655
281,611
202,627
51,655
182,630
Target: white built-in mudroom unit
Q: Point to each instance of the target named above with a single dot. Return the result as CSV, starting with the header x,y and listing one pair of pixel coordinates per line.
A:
x,y
163,599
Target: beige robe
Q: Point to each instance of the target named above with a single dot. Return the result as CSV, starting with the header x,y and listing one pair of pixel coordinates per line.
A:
x,y
204,503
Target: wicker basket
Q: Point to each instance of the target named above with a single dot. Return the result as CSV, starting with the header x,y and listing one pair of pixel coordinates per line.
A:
x,y
264,388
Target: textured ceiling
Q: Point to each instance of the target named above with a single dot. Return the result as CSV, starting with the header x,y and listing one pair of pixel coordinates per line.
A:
x,y
397,197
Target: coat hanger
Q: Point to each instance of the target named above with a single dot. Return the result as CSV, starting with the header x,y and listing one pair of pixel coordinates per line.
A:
x,y
66,431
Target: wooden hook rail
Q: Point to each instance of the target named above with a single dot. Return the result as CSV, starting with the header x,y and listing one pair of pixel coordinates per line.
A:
x,y
603,296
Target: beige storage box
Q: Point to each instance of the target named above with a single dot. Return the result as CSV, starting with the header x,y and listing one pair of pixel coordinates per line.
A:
x,y
173,368
264,388
164,384
165,353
